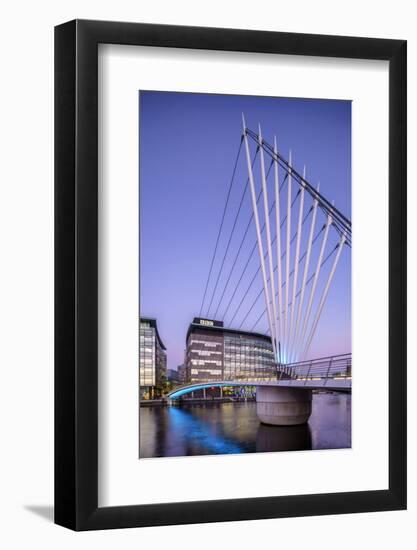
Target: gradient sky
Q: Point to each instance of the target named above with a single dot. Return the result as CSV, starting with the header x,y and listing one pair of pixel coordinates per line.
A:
x,y
188,147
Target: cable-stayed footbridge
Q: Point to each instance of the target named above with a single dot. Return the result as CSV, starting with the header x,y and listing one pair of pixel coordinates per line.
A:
x,y
301,237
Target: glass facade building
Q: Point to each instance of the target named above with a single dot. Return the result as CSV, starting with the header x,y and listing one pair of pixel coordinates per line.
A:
x,y
218,353
152,360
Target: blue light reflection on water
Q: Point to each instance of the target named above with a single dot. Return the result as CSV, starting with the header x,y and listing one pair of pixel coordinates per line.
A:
x,y
233,428
215,443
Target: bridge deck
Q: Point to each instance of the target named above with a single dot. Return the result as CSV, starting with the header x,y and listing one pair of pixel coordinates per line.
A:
x,y
342,384
332,373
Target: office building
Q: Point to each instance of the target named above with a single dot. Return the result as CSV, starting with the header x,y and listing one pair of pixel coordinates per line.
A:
x,y
218,353
152,360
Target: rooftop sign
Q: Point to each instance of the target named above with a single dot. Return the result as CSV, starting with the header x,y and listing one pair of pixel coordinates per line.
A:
x,y
207,322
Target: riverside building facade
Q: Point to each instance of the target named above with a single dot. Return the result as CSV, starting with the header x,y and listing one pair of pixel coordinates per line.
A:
x,y
152,359
217,353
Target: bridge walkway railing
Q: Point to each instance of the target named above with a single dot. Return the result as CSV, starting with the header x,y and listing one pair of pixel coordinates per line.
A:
x,y
326,368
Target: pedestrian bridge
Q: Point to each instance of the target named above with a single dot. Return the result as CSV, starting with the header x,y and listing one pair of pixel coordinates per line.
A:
x,y
287,400
296,281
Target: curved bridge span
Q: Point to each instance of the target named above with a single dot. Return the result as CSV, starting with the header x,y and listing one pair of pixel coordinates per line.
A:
x,y
287,400
342,384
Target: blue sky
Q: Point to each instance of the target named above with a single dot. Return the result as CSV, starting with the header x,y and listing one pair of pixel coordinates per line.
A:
x,y
188,147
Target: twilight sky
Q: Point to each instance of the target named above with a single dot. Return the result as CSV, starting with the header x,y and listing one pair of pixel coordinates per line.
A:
x,y
188,147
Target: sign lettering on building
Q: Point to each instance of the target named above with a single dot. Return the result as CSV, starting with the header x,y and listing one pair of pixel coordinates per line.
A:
x,y
207,322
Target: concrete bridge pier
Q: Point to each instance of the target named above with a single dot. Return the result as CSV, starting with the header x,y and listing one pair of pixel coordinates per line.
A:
x,y
283,406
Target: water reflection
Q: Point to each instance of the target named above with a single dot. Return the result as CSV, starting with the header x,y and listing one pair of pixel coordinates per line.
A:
x,y
281,438
233,428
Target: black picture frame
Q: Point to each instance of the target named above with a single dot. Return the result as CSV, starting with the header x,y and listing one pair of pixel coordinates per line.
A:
x,y
76,272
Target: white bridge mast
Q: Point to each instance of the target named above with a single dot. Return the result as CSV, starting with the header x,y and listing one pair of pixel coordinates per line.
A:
x,y
289,321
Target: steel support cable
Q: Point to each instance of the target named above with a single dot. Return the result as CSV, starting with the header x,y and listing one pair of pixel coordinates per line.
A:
x,y
340,230
240,280
305,252
241,245
295,234
227,249
315,280
284,283
231,236
305,273
259,268
323,298
323,202
251,254
222,221
283,181
307,283
292,204
342,224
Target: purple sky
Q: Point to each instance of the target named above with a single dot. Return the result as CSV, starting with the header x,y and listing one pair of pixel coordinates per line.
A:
x,y
188,147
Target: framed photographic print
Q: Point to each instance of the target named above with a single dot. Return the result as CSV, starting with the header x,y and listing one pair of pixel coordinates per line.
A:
x,y
230,275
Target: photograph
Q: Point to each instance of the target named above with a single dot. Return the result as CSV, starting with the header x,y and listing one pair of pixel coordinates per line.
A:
x,y
245,274
196,357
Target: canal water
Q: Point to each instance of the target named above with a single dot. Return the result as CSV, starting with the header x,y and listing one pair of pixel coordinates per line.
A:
x,y
231,428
